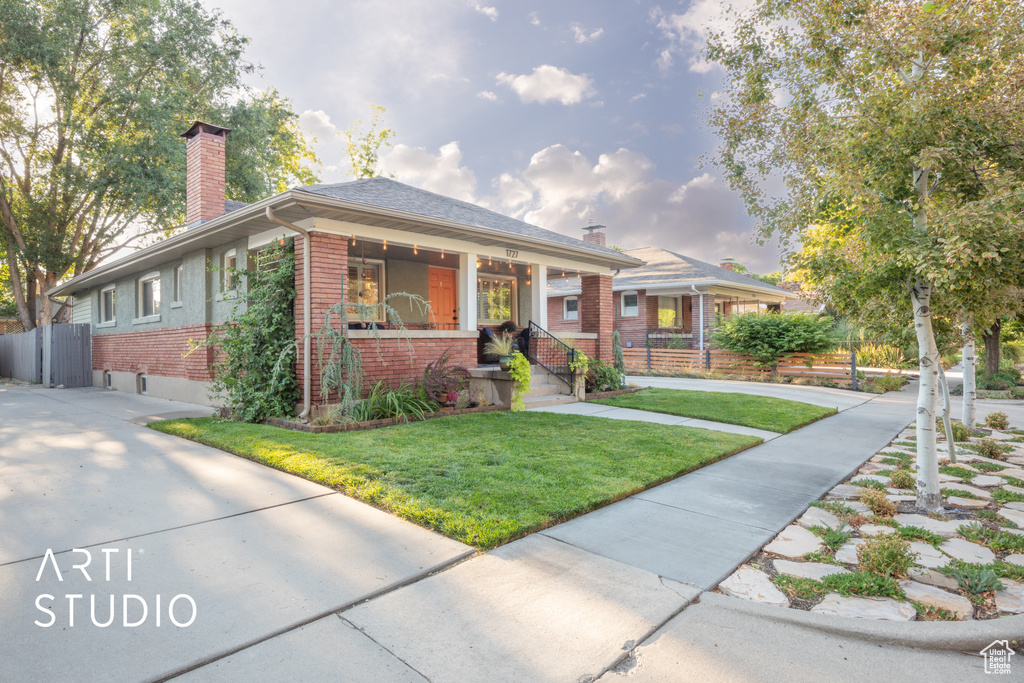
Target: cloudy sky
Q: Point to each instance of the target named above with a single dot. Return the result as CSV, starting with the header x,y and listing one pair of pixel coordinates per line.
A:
x,y
558,113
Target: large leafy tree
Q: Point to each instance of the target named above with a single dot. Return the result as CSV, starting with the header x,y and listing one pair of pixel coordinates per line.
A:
x,y
887,134
93,97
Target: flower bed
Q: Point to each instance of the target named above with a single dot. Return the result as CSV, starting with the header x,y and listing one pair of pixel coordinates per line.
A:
x,y
375,424
865,551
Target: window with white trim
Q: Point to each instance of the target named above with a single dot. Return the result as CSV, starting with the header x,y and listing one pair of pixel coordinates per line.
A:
x,y
148,298
495,299
366,287
571,308
179,281
630,304
228,262
107,304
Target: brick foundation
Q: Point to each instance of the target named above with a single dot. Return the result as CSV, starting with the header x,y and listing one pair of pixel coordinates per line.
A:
x,y
158,352
401,361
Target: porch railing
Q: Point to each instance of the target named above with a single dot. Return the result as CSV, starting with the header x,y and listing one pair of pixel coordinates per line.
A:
x,y
551,353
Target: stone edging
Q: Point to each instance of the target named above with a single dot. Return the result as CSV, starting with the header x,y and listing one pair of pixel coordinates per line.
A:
x,y
374,424
962,636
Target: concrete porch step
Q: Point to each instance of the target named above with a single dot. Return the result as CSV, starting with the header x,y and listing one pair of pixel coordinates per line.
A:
x,y
546,389
547,401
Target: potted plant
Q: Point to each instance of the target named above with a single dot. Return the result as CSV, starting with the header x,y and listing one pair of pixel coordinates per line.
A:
x,y
502,347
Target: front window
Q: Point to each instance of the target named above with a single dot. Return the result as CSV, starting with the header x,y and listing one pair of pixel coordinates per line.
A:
x,y
107,304
179,280
670,311
229,262
630,305
365,287
149,295
571,308
495,299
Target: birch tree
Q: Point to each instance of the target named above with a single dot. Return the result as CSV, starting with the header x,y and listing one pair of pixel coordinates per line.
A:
x,y
885,136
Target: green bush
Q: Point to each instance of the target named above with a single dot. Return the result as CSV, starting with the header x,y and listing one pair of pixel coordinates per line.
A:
x,y
886,555
620,360
902,479
602,376
769,336
878,503
863,584
974,579
990,448
997,420
404,402
961,432
881,356
881,384
832,538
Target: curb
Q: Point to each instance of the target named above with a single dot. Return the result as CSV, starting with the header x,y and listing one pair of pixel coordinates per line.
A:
x,y
961,636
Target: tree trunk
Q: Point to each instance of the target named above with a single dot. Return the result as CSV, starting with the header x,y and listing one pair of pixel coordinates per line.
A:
x,y
28,318
929,496
970,385
46,309
991,338
30,296
945,414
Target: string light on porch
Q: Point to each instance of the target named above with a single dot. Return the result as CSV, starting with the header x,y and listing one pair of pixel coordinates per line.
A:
x,y
385,245
442,253
415,249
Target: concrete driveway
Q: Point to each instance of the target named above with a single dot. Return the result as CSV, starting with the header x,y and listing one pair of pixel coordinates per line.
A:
x,y
258,552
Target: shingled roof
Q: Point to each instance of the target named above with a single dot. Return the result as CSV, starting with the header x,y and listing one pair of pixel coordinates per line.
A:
x,y
385,193
664,267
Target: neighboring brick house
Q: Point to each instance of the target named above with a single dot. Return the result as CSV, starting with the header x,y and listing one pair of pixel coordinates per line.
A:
x,y
363,240
667,301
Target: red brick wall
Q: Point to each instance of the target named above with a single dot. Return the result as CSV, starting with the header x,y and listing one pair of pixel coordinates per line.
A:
x,y
597,312
587,346
634,328
556,323
401,361
329,265
155,352
204,153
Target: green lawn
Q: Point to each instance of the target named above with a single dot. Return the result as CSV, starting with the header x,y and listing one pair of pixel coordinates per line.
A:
x,y
760,412
482,479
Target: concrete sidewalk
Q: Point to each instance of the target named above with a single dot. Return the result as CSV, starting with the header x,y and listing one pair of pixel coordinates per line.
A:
x,y
260,552
840,399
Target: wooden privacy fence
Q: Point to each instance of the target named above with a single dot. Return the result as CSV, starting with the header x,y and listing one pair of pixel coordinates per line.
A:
x,y
55,355
677,361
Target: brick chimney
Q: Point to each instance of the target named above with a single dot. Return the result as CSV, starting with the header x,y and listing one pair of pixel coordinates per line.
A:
x,y
727,263
594,234
204,188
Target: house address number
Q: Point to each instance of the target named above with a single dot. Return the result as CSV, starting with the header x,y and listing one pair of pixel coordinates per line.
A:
x,y
512,253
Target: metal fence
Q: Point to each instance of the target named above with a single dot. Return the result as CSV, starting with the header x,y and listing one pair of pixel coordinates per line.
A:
x,y
55,355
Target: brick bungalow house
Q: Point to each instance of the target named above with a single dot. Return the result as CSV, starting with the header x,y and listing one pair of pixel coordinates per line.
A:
x,y
672,298
354,241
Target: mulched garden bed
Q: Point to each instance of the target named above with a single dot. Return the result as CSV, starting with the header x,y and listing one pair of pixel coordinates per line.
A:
x,y
375,424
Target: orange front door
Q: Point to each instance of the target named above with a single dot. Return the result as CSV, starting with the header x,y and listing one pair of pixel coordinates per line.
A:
x,y
443,298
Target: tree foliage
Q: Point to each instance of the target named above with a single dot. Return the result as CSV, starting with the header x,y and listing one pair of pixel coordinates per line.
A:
x,y
887,137
364,147
93,98
770,336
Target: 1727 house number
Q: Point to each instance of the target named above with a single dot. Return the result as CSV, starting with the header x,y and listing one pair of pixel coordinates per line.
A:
x,y
512,253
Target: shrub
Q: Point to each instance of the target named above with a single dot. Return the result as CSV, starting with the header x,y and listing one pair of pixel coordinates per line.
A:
x,y
863,584
973,578
881,356
990,448
768,336
902,479
519,370
878,503
886,555
404,402
832,538
997,420
441,379
881,384
802,589
1017,392
602,376
619,359
916,533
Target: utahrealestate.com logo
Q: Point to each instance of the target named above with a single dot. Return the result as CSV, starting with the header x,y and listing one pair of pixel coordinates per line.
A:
x,y
135,609
997,657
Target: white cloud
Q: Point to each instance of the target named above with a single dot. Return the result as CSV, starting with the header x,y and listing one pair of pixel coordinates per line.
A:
x,y
581,35
487,95
489,12
637,97
549,83
560,189
534,19
442,173
686,32
318,124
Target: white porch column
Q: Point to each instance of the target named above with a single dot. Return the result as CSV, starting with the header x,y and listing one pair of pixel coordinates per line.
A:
x,y
539,294
467,292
